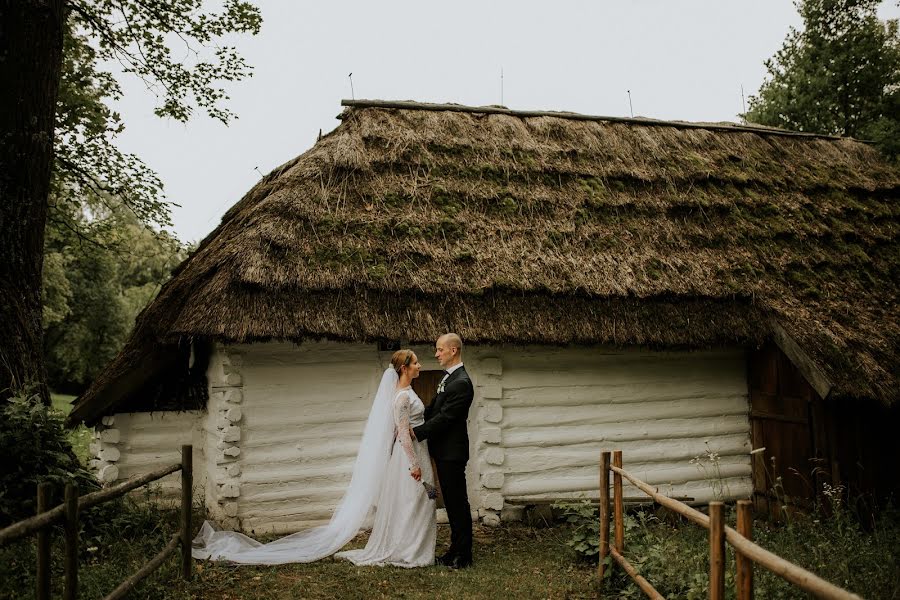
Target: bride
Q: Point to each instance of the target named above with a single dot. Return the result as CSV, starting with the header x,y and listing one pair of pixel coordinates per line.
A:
x,y
391,478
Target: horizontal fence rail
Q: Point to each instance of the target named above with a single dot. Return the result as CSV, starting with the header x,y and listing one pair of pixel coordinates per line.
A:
x,y
58,514
67,514
747,553
127,585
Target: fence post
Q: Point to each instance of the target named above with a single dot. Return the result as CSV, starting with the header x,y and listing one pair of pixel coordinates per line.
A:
x,y
716,551
618,509
604,514
70,591
187,484
42,591
744,575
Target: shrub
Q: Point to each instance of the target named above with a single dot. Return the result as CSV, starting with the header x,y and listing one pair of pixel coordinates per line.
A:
x,y
673,555
116,539
35,448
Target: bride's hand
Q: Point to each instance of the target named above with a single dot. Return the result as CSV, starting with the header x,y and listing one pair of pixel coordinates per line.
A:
x,y
416,473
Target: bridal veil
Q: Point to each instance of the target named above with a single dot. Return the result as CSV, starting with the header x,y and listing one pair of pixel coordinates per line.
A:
x,y
349,516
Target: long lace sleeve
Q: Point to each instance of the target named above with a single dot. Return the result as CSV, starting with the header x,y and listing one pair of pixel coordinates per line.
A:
x,y
401,422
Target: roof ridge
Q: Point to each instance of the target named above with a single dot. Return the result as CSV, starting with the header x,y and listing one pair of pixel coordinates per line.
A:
x,y
502,110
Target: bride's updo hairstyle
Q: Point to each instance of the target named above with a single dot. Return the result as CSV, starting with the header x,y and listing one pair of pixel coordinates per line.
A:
x,y
400,359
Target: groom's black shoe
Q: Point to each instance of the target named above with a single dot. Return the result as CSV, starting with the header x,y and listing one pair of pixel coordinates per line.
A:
x,y
446,560
461,562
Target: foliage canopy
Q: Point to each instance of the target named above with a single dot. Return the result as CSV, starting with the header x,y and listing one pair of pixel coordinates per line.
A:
x,y
105,255
839,75
147,38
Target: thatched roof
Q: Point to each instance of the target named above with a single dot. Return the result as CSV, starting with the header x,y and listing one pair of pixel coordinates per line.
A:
x,y
403,223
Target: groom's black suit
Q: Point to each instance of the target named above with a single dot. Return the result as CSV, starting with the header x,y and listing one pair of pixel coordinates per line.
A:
x,y
448,443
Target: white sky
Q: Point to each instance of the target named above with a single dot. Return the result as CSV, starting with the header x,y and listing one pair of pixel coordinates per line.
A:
x,y
681,59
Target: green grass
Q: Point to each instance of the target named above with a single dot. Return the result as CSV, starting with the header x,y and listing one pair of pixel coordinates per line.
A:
x,y
512,561
62,402
79,437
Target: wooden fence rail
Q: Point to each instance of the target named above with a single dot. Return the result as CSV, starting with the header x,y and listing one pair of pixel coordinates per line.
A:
x,y
746,552
67,514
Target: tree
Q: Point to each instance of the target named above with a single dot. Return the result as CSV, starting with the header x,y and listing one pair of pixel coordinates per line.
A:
x,y
30,56
840,75
142,35
98,276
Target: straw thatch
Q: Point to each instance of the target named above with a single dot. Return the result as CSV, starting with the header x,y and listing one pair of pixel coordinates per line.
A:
x,y
405,223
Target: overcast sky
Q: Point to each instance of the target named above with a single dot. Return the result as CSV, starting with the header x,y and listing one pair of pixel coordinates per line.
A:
x,y
681,59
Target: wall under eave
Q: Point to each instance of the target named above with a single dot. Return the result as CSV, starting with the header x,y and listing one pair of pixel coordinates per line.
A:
x,y
130,444
562,407
276,445
285,462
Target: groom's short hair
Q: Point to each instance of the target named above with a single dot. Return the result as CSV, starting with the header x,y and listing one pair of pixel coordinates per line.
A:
x,y
454,341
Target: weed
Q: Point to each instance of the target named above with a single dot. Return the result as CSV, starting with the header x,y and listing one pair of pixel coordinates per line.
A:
x,y
584,521
708,463
673,554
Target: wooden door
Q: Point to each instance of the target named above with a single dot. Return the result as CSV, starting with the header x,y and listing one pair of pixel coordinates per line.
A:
x,y
781,403
425,386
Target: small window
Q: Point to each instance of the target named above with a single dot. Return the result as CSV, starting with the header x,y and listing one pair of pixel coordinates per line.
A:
x,y
388,345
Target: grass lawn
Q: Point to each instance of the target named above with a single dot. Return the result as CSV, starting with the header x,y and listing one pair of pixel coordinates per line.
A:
x,y
510,562
80,437
513,561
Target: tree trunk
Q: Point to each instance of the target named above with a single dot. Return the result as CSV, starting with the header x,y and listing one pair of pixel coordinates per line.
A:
x,y
31,39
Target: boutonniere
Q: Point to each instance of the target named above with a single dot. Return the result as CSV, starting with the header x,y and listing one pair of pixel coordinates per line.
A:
x,y
440,388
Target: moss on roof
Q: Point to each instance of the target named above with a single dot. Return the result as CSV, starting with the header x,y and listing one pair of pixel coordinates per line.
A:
x,y
407,222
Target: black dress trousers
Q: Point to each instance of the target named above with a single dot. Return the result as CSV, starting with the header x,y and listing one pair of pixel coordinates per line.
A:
x,y
452,475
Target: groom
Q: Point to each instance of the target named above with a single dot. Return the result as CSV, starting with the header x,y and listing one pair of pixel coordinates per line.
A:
x,y
448,443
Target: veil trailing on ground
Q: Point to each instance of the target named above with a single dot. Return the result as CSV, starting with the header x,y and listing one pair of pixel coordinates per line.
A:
x,y
349,516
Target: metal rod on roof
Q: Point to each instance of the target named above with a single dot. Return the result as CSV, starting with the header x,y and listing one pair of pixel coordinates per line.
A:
x,y
630,108
352,96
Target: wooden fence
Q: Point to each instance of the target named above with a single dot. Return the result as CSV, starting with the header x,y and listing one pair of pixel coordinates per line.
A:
x,y
746,552
67,513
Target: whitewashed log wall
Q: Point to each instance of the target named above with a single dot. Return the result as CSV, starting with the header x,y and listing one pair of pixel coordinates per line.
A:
x,y
129,444
304,408
561,407
221,431
275,447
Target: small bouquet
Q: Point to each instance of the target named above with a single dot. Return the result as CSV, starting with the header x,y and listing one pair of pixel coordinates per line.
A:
x,y
430,490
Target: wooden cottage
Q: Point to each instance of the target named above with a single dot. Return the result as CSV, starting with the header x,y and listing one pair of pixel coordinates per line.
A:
x,y
674,290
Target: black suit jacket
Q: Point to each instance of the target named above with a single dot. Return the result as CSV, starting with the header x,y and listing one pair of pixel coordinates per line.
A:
x,y
445,419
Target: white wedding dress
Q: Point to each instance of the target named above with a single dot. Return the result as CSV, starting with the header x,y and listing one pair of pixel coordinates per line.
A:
x,y
404,528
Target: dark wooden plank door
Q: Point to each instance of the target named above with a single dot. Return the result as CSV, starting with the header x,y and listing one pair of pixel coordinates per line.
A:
x,y
425,386
780,409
